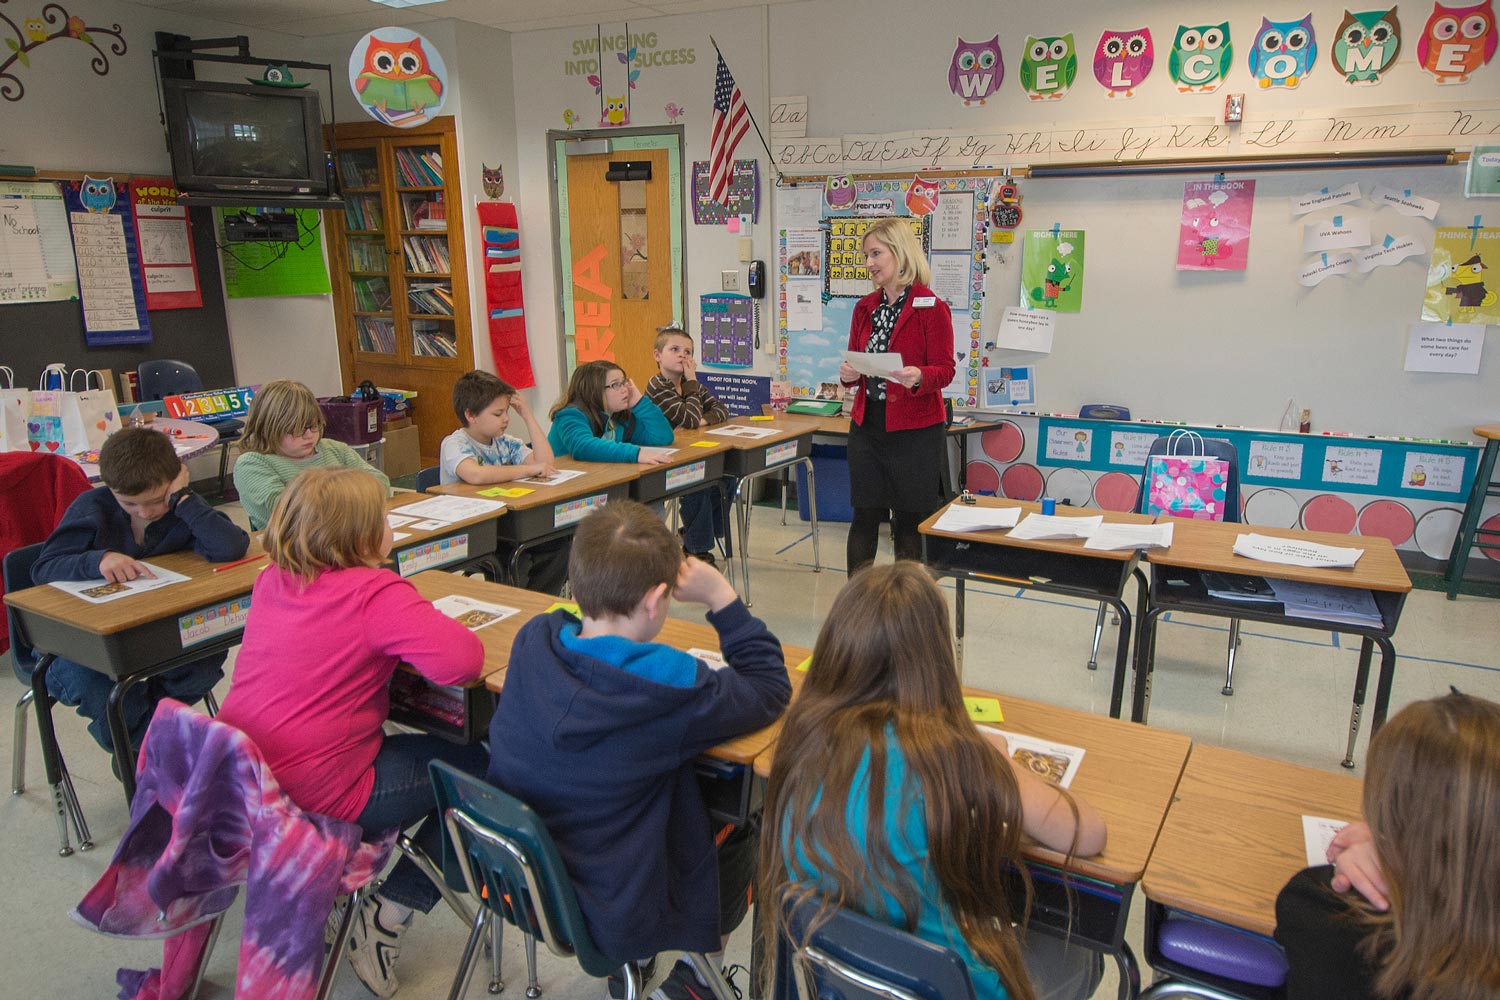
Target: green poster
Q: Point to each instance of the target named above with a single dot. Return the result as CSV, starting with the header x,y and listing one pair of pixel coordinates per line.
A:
x,y
1052,270
1483,178
262,270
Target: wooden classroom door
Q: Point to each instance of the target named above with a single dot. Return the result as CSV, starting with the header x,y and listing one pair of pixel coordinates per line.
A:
x,y
619,266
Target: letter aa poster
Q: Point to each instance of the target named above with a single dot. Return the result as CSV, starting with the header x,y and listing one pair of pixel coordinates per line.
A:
x,y
1215,233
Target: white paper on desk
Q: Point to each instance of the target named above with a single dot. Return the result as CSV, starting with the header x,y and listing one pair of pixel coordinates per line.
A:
x,y
1056,763
961,517
1317,833
101,591
471,613
1038,527
397,536
714,659
879,365
1293,552
449,509
1111,537
1326,603
556,479
1023,329
432,525
397,521
743,431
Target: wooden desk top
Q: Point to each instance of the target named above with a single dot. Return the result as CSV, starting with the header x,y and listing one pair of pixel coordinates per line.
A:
x,y
1129,773
692,446
596,476
1210,545
414,537
500,637
1072,546
786,428
1234,834
838,424
205,587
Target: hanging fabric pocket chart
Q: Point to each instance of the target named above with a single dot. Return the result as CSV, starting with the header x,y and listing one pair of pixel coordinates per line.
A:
x,y
504,305
108,258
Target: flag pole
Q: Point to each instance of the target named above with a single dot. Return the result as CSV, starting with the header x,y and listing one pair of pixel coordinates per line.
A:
x,y
772,156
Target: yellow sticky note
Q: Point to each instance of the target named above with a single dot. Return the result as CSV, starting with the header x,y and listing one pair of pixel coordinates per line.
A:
x,y
805,664
762,418
493,491
983,709
704,444
515,491
571,609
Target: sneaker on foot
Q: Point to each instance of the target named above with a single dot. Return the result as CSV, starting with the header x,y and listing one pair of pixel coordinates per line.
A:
x,y
374,946
682,984
646,967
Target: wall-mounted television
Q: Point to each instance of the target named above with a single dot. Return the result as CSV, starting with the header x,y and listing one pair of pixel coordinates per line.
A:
x,y
245,144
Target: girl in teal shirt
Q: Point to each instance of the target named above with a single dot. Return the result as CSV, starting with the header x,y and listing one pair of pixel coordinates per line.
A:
x,y
889,801
603,417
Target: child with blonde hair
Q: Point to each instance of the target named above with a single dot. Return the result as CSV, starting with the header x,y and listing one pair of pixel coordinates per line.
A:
x,y
284,435
328,626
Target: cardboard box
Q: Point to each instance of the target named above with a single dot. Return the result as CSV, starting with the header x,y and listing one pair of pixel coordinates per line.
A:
x,y
403,451
397,424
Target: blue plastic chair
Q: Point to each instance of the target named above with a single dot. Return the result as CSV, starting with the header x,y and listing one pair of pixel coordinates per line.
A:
x,y
1212,448
158,379
23,660
428,478
513,869
852,957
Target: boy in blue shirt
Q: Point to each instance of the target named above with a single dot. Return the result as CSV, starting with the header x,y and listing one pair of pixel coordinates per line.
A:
x,y
146,508
598,726
480,452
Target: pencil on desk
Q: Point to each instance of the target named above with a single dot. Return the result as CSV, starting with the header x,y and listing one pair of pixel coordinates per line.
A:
x,y
239,562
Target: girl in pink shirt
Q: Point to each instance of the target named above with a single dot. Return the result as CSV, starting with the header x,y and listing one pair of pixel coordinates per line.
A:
x,y
327,628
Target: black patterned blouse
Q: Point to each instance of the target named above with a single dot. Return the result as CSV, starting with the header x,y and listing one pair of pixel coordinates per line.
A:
x,y
882,323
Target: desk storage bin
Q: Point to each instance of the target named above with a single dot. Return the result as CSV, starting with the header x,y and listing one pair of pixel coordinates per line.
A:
x,y
459,714
831,466
353,421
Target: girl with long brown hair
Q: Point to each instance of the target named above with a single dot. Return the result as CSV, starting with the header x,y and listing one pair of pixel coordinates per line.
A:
x,y
603,417
885,798
1425,924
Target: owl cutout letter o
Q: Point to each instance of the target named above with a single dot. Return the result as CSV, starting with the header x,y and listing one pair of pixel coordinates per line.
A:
x,y
398,77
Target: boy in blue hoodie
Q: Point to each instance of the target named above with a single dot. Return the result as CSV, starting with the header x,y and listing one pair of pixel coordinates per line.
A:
x,y
146,508
597,728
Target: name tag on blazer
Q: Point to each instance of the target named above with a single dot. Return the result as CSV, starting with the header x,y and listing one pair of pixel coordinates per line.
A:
x,y
924,302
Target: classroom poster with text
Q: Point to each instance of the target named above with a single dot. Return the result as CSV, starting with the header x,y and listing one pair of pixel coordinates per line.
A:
x,y
1215,230
1052,270
1463,281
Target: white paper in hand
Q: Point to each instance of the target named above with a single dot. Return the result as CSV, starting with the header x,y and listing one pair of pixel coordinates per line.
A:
x,y
879,365
1317,833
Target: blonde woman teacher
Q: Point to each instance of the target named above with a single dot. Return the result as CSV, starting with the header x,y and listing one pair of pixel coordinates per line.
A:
x,y
896,441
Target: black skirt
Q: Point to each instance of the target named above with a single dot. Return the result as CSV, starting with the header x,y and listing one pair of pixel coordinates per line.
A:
x,y
895,470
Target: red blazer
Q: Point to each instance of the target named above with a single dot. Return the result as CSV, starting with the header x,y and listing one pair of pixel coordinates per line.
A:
x,y
923,337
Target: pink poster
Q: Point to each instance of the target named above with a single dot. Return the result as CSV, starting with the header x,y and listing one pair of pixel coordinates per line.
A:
x,y
1215,225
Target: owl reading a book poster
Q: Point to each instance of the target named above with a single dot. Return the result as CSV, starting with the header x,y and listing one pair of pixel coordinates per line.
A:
x,y
398,76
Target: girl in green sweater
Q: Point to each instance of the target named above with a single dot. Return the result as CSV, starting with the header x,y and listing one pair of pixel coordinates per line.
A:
x,y
284,435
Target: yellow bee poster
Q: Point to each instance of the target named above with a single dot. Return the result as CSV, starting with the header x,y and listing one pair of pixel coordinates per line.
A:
x,y
1463,283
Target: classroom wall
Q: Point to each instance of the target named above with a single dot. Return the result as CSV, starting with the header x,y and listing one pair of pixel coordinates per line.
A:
x,y
71,119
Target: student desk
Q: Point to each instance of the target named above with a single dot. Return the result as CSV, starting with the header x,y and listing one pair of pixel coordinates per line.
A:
x,y
134,638
549,512
738,754
698,464
1176,585
468,543
1129,773
838,426
788,444
189,438
1061,566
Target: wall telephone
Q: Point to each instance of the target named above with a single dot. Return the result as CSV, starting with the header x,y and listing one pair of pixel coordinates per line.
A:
x,y
756,282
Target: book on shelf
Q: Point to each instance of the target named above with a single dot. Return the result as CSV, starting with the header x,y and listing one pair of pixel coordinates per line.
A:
x,y
377,334
431,299
429,344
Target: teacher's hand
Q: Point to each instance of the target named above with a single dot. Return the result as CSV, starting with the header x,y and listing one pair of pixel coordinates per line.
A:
x,y
847,373
910,376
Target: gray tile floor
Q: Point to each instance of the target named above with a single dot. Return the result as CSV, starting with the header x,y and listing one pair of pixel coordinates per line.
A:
x,y
1291,701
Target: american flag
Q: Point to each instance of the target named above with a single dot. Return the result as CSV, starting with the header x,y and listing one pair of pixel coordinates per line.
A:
x,y
730,121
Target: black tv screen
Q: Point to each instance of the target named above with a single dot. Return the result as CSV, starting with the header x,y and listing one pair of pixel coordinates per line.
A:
x,y
230,138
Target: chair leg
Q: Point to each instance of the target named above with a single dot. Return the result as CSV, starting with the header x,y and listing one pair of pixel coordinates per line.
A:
x,y
211,705
709,973
497,940
421,860
470,953
532,989
18,745
208,950
341,940
223,465
1098,631
1234,644
75,812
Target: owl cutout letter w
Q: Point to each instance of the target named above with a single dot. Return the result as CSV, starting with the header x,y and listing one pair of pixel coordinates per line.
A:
x,y
976,70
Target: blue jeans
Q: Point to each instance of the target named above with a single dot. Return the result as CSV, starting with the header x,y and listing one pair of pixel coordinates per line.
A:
x,y
403,795
80,687
702,520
